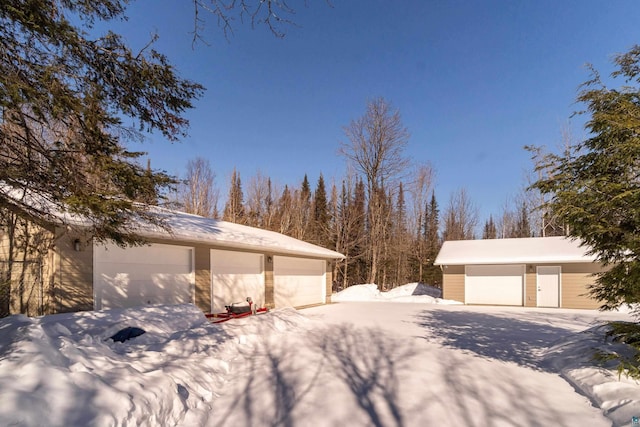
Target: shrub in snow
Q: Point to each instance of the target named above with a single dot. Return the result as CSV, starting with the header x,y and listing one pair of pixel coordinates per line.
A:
x,y
628,360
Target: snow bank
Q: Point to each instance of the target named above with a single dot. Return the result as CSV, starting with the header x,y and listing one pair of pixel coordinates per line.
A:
x,y
63,370
357,293
617,396
410,293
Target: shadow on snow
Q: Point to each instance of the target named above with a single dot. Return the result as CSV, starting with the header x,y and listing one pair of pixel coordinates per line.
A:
x,y
502,338
283,384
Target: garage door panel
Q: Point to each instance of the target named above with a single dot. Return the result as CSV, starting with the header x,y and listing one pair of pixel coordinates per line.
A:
x,y
156,274
158,292
149,255
227,291
288,266
298,281
494,284
297,291
111,291
234,277
145,271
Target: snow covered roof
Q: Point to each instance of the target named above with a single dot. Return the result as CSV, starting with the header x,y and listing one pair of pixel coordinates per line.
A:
x,y
187,228
198,229
513,251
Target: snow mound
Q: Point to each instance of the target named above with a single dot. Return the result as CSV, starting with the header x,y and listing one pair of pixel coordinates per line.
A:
x,y
573,357
357,293
63,370
409,293
413,289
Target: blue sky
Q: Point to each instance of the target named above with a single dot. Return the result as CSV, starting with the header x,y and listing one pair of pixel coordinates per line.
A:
x,y
474,81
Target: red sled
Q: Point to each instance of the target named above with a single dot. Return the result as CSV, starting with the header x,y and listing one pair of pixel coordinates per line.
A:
x,y
236,310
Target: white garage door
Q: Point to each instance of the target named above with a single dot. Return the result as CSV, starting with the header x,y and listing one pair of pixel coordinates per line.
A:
x,y
234,277
494,284
298,281
155,274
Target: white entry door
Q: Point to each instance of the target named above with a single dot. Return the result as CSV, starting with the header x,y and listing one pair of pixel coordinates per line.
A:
x,y
549,286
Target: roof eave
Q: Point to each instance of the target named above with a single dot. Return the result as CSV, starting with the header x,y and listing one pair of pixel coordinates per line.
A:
x,y
244,246
520,261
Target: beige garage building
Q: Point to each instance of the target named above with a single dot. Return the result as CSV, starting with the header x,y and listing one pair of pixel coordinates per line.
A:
x,y
203,261
531,272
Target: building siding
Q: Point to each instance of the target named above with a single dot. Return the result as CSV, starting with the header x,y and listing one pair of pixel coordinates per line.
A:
x,y
575,282
73,280
453,282
269,296
202,261
530,286
329,280
26,270
575,279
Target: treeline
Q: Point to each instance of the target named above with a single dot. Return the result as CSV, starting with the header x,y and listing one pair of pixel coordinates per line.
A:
x,y
390,236
384,216
335,216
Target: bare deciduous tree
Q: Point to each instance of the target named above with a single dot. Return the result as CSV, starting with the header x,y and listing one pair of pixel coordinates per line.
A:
x,y
460,217
375,148
272,13
301,210
284,212
259,201
421,188
545,222
198,194
376,143
506,222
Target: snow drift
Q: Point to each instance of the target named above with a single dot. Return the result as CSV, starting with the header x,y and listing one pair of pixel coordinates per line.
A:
x,y
412,292
64,370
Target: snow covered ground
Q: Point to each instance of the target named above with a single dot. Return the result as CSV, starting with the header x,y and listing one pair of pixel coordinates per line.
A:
x,y
353,363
